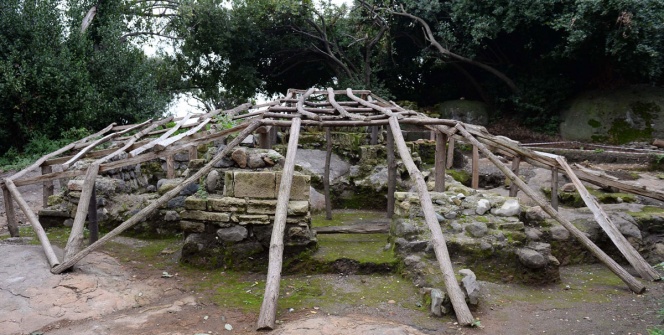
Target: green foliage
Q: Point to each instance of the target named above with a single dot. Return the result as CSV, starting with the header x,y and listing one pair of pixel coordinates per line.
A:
x,y
53,78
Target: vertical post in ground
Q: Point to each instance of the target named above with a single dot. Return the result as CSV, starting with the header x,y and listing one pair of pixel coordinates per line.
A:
x,y
326,174
515,168
93,225
554,188
475,180
12,223
441,161
391,173
47,188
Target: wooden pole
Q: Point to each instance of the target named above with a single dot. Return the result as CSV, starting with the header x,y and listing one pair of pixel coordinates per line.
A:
x,y
554,188
170,167
515,168
12,223
266,318
264,138
326,174
464,317
633,257
374,135
441,161
75,240
475,181
47,188
34,221
450,153
631,282
93,224
391,173
158,202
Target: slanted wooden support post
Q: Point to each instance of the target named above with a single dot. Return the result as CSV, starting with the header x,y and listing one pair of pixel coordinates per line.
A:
x,y
391,173
475,179
554,188
34,221
143,213
47,188
12,223
326,174
633,257
441,161
193,153
170,167
450,152
464,317
515,168
268,311
631,282
76,236
93,224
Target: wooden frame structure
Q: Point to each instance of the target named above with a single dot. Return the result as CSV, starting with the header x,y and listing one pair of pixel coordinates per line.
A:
x,y
310,108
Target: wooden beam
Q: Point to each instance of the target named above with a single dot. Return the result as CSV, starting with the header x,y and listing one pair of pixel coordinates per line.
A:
x,y
554,188
326,174
143,213
47,187
391,173
450,152
515,168
631,282
464,317
76,236
93,224
12,223
267,316
64,149
164,136
34,221
441,161
475,179
633,257
193,153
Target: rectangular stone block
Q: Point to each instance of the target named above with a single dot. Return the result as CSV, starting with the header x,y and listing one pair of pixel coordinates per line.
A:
x,y
299,186
226,204
261,206
253,219
518,226
192,226
298,207
259,185
205,216
195,203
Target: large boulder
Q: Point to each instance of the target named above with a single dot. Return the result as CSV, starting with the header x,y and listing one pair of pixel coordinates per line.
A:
x,y
473,112
616,116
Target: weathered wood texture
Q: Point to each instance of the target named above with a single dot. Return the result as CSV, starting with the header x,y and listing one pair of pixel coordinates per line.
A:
x,y
326,174
12,223
268,312
554,188
47,187
158,202
475,178
515,168
34,221
631,282
633,257
391,173
440,161
76,235
464,317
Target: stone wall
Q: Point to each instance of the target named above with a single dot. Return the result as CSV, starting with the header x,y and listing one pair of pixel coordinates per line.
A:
x,y
230,228
484,232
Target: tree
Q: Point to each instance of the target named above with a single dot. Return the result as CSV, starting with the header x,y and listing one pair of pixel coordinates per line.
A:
x,y
53,77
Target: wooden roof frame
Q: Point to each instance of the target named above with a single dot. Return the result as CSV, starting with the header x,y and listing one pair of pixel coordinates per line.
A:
x,y
298,108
